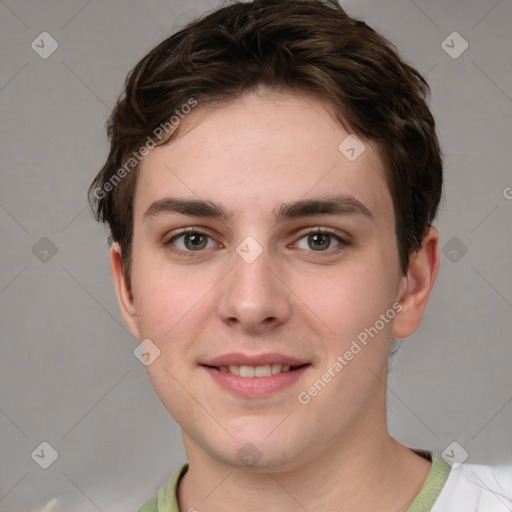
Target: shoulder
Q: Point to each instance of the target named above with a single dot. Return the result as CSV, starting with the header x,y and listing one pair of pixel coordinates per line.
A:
x,y
149,506
476,488
166,497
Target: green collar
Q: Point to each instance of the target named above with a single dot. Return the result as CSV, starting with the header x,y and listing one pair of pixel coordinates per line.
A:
x,y
431,489
166,498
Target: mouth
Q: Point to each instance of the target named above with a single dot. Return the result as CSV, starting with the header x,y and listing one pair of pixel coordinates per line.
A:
x,y
255,376
260,371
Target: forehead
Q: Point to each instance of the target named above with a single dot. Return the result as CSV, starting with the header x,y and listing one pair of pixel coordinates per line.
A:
x,y
261,150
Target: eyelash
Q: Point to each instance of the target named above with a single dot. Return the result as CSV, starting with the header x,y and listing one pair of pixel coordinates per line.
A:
x,y
324,231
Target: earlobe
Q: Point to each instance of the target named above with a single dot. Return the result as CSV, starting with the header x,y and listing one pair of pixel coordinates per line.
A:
x,y
417,285
123,291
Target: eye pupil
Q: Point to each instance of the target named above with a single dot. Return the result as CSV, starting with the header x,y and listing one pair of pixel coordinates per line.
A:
x,y
319,241
194,241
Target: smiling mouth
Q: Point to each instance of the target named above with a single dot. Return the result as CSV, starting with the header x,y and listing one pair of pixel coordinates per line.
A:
x,y
266,370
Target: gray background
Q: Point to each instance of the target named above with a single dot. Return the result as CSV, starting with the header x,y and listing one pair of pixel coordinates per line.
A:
x,y
68,375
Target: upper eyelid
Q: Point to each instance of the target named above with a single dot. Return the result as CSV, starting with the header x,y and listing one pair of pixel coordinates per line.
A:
x,y
300,232
186,231
320,229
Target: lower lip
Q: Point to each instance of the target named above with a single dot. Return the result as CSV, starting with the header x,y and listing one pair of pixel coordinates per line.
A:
x,y
256,386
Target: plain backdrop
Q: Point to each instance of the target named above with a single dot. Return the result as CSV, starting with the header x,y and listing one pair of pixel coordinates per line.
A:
x,y
68,374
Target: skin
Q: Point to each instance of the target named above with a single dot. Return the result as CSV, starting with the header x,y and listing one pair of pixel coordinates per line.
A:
x,y
251,155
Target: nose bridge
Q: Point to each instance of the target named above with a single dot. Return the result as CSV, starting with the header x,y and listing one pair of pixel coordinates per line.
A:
x,y
253,297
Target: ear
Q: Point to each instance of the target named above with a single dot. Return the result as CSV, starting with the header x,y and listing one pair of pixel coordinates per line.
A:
x,y
416,285
123,291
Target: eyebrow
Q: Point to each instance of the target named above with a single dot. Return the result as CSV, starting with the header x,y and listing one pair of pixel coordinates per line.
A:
x,y
339,204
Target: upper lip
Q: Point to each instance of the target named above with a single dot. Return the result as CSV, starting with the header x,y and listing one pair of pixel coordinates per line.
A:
x,y
238,359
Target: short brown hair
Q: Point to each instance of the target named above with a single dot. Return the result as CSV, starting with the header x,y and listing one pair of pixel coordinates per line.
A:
x,y
306,46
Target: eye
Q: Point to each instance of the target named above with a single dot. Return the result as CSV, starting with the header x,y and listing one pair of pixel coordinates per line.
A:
x,y
190,241
320,241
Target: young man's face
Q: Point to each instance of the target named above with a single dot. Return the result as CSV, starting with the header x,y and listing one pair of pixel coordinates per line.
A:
x,y
260,287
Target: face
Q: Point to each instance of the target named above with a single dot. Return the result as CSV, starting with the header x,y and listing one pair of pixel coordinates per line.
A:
x,y
265,269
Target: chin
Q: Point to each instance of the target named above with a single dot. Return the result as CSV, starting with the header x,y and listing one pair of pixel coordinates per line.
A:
x,y
260,454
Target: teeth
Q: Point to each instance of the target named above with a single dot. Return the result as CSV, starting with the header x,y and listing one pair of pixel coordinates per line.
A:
x,y
246,371
265,370
276,368
235,370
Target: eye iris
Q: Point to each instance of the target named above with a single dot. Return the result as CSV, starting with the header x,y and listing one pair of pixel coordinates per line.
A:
x,y
195,241
319,241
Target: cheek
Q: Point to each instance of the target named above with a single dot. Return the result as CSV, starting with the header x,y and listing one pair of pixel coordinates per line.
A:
x,y
168,308
173,308
163,299
354,309
348,300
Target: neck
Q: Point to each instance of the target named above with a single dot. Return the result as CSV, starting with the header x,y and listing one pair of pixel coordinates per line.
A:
x,y
372,472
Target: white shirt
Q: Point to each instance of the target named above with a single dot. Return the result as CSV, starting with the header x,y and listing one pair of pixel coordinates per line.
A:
x,y
476,488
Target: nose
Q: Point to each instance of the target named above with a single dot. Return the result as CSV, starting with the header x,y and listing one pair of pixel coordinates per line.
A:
x,y
254,298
